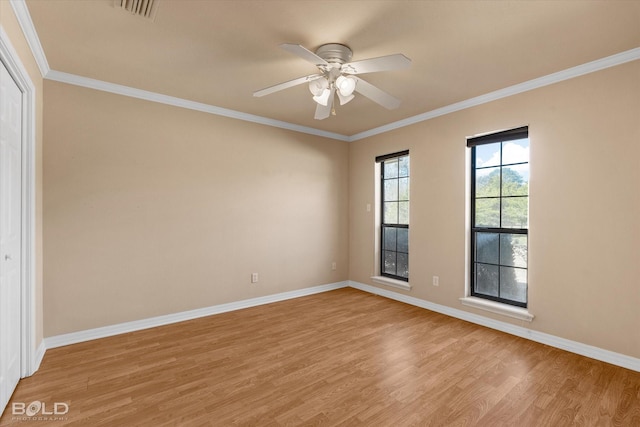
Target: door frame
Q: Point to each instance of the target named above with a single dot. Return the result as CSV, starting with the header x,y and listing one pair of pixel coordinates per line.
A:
x,y
29,357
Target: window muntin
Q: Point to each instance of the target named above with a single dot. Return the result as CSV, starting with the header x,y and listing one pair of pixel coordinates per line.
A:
x,y
394,229
500,216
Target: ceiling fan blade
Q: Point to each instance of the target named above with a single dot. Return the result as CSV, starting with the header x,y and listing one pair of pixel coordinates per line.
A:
x,y
384,63
304,53
324,111
376,95
286,85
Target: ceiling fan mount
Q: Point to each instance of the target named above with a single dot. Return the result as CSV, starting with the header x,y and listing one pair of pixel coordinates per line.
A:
x,y
335,53
337,76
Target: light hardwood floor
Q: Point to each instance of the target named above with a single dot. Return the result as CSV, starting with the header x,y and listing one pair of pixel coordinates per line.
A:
x,y
338,358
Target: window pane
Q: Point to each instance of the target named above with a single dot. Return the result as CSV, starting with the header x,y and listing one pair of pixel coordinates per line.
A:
x,y
403,265
488,155
516,151
488,182
395,217
515,212
403,212
403,189
513,250
389,239
391,168
403,240
500,202
487,246
513,284
389,262
403,165
390,189
487,279
488,212
515,180
390,213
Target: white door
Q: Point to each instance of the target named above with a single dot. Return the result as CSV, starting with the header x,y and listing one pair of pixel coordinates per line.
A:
x,y
10,233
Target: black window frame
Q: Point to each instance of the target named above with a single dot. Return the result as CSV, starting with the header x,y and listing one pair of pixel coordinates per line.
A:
x,y
472,143
383,225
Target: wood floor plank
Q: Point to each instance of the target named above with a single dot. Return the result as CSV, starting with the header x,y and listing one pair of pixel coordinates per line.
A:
x,y
340,358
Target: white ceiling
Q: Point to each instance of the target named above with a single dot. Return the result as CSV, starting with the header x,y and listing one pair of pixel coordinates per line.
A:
x,y
219,52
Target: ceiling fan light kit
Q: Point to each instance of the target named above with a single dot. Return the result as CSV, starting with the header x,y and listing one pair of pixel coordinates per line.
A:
x,y
346,85
323,97
344,99
317,86
337,76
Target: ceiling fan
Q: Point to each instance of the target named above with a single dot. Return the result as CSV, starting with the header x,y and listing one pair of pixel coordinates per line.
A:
x,y
338,76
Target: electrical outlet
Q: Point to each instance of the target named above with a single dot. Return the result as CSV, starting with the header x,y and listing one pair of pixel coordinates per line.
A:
x,y
334,265
254,277
436,281
368,207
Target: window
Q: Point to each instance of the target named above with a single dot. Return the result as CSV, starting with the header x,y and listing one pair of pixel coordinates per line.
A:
x,y
500,216
394,227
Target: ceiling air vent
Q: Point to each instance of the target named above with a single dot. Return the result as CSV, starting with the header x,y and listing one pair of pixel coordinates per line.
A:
x,y
144,8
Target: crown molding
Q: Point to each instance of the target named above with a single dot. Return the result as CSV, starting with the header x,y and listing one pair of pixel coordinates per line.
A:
x,y
24,18
29,30
26,24
76,80
580,70
589,67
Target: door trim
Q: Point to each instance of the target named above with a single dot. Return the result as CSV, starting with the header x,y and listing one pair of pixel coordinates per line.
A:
x,y
30,356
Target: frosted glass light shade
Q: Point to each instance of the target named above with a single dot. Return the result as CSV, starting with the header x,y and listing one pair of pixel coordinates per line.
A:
x,y
345,85
317,86
344,99
323,98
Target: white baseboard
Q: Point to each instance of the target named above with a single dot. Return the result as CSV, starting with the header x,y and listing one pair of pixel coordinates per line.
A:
x,y
541,337
136,325
37,359
551,340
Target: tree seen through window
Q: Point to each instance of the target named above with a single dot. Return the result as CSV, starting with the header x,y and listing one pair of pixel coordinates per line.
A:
x,y
500,218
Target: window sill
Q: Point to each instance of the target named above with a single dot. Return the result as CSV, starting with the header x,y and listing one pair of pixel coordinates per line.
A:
x,y
387,281
498,308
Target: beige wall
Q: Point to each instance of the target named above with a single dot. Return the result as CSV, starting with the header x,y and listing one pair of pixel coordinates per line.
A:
x,y
12,28
584,253
152,209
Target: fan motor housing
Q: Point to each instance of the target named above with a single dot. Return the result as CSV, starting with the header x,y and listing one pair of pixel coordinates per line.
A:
x,y
335,53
